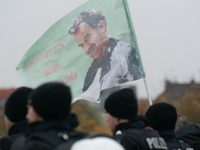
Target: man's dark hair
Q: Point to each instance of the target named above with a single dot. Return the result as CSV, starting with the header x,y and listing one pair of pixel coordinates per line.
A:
x,y
181,122
90,16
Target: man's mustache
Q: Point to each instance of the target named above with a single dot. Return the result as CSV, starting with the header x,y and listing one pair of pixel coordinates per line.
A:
x,y
89,51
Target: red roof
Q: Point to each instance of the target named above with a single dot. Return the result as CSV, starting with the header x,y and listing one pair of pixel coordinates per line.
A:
x,y
5,93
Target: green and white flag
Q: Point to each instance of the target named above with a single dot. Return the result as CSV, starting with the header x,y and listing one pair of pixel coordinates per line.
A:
x,y
91,49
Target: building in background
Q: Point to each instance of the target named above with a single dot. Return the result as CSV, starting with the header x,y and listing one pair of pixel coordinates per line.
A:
x,y
173,91
4,94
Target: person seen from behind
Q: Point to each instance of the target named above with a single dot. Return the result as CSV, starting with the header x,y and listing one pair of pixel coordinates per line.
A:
x,y
129,129
15,116
162,118
181,122
48,117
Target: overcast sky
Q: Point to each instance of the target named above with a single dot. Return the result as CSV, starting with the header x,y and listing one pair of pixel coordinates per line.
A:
x,y
168,35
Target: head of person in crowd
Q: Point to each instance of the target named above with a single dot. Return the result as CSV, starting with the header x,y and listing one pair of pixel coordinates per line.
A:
x,y
162,116
15,107
97,143
181,122
120,107
89,31
50,101
190,133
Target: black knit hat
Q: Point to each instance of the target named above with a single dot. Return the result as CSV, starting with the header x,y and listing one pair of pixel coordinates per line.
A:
x,y
122,104
15,108
162,116
52,101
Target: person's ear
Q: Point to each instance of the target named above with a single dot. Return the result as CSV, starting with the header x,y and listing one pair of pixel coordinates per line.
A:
x,y
102,26
8,123
118,120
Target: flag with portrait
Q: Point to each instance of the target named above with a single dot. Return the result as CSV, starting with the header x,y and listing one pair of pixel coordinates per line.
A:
x,y
91,49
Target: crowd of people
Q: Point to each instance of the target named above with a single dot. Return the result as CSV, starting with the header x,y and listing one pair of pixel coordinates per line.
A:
x,y
41,119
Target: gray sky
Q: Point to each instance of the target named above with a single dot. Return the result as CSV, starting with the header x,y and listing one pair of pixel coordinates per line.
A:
x,y
168,35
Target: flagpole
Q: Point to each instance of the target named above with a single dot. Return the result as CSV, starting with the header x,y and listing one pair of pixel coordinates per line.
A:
x,y
149,98
137,47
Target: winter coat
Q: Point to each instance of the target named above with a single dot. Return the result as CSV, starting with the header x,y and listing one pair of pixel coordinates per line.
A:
x,y
17,130
134,136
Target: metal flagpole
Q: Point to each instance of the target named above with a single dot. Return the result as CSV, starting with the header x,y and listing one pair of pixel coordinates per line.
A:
x,y
149,98
136,46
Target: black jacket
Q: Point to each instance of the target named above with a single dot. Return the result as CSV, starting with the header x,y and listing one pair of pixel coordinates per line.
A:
x,y
17,130
134,136
190,134
172,142
48,135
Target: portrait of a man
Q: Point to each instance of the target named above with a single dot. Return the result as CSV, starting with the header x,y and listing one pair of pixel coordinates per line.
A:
x,y
118,60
